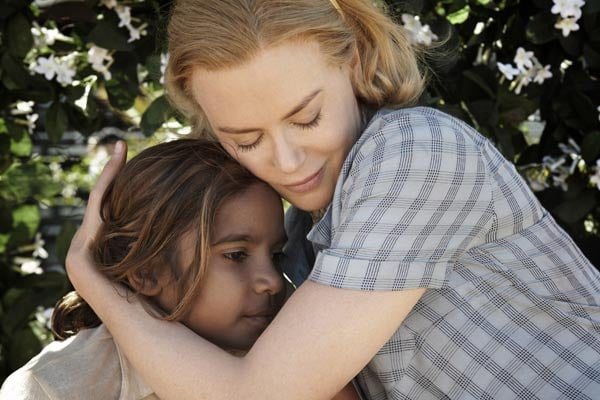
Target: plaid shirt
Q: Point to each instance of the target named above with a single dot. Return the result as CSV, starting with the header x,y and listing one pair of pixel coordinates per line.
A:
x,y
424,201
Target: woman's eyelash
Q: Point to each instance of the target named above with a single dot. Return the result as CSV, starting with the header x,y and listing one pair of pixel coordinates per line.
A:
x,y
248,147
312,124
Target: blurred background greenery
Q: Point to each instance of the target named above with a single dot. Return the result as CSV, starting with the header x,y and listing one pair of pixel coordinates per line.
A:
x,y
77,75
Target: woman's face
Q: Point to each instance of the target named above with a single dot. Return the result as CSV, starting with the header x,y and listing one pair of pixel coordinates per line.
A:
x,y
243,287
288,116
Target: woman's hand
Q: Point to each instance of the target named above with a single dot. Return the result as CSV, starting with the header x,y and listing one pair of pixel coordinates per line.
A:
x,y
79,262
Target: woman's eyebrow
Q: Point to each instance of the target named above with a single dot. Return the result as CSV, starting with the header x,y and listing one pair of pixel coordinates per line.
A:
x,y
303,103
299,107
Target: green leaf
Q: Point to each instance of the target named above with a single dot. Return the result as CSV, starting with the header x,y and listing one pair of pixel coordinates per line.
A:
x,y
4,238
576,209
22,346
540,28
459,16
106,34
27,215
5,156
590,147
14,76
25,181
63,240
18,35
21,147
591,55
481,77
121,91
155,115
591,7
56,122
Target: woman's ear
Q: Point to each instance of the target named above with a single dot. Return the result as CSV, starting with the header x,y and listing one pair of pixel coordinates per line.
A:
x,y
149,282
355,70
355,64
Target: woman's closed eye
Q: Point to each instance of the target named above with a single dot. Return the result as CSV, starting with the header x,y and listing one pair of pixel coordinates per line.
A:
x,y
311,124
251,146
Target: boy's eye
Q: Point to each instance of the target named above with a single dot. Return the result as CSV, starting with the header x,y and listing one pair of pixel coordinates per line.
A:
x,y
237,256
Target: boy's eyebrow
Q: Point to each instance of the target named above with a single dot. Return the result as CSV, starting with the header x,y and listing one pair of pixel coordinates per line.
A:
x,y
299,107
234,237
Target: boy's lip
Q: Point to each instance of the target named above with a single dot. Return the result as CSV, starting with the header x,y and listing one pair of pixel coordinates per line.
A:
x,y
262,318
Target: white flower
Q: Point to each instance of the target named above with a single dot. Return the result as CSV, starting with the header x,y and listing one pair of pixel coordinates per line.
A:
x,y
44,37
541,74
97,56
425,36
560,180
598,109
595,179
136,33
523,59
420,33
109,3
39,250
65,73
508,70
124,14
411,22
164,60
44,316
50,67
523,80
45,66
31,120
32,267
567,25
537,179
568,8
69,190
22,108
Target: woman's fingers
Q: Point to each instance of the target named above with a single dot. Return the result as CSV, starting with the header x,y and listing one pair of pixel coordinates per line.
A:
x,y
91,219
78,257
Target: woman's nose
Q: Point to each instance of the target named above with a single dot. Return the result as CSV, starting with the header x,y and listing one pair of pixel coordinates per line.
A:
x,y
288,154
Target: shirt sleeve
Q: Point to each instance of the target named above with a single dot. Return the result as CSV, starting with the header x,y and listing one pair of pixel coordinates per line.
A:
x,y
22,385
413,196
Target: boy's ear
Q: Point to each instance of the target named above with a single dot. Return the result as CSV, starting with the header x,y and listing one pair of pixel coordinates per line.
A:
x,y
148,282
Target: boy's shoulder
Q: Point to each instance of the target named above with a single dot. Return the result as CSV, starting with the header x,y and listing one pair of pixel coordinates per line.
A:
x,y
79,367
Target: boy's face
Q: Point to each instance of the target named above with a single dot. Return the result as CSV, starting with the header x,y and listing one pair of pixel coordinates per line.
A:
x,y
243,287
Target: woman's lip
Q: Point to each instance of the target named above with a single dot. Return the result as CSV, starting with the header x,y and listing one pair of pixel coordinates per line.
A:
x,y
307,184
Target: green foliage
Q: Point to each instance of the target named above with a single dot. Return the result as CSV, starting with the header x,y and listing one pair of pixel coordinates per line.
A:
x,y
69,66
550,129
65,67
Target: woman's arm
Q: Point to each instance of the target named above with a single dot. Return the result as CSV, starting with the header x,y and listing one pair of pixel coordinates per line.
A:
x,y
322,337
318,342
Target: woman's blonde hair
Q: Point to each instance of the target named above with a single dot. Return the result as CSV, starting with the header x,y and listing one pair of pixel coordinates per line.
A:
x,y
218,34
163,193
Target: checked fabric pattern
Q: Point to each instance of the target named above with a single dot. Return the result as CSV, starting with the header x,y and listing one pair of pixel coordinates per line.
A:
x,y
423,200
